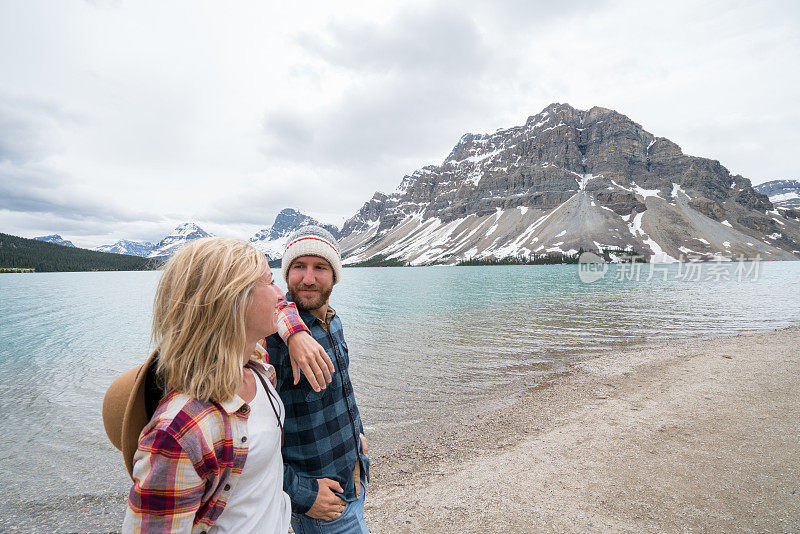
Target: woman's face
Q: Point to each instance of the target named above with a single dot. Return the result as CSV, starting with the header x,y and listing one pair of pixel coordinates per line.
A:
x,y
260,318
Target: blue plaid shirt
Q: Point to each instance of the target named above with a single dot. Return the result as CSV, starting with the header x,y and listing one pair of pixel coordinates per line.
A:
x,y
321,429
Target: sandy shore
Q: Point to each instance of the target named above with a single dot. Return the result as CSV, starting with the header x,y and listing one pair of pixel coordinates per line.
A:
x,y
696,437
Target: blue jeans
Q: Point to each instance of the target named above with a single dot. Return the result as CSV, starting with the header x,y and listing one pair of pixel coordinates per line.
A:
x,y
350,522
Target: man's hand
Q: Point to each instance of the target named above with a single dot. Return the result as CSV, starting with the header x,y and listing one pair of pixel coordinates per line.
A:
x,y
308,356
327,506
364,445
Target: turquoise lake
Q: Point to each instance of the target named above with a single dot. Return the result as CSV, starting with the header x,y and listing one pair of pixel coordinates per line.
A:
x,y
424,341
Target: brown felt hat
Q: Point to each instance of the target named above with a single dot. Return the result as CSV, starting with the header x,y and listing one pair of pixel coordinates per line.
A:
x,y
124,412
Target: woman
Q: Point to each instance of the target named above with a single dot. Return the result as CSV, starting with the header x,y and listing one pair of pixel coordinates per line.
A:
x,y
209,459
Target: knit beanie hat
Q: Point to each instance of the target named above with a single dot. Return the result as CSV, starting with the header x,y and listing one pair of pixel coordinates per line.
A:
x,y
312,241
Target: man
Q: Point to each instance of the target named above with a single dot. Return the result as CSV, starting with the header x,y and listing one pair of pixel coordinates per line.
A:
x,y
326,467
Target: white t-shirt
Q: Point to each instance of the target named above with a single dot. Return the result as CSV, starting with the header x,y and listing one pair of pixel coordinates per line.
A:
x,y
258,502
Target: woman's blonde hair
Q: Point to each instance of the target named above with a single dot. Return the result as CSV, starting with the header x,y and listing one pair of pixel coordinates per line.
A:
x,y
199,317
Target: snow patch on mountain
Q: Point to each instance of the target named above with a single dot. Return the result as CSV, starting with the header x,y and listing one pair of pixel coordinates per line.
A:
x,y
783,193
585,180
646,192
177,239
784,197
129,247
56,240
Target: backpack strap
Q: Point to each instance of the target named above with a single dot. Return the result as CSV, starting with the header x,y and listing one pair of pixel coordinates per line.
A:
x,y
269,396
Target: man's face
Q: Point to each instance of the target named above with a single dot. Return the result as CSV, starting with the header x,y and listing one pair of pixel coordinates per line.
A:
x,y
310,282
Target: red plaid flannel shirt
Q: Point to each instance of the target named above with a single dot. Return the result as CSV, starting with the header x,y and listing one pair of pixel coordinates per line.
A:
x,y
191,454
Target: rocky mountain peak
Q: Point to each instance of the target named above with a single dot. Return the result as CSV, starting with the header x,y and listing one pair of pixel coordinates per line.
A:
x,y
599,160
597,113
287,221
272,241
176,239
189,230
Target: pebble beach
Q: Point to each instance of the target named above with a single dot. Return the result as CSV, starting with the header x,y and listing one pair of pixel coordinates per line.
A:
x,y
692,437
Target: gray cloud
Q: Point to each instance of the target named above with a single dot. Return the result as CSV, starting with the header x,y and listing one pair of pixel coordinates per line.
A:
x,y
290,129
362,96
27,129
266,195
434,40
421,74
515,17
39,191
256,208
83,233
756,155
425,77
401,117
104,3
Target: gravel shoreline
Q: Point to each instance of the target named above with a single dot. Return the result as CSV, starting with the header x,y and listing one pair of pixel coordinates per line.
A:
x,y
692,437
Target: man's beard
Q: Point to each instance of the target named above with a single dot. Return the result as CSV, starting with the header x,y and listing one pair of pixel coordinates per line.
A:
x,y
310,303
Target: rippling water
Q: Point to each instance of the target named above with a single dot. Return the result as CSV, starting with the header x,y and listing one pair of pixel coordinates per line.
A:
x,y
423,340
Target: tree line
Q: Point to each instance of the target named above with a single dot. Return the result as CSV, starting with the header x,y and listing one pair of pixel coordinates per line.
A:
x,y
533,259
22,253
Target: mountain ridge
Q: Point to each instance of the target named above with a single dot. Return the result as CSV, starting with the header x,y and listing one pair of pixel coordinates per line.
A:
x,y
176,239
564,180
129,247
568,179
272,241
782,193
56,239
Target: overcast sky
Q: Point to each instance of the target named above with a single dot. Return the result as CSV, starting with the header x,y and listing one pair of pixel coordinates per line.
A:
x,y
122,119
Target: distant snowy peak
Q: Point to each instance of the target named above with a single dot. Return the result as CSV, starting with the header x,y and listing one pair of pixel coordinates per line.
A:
x,y
189,231
131,248
785,193
55,239
272,248
272,241
172,243
286,222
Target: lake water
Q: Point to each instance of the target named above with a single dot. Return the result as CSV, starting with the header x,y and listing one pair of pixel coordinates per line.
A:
x,y
423,341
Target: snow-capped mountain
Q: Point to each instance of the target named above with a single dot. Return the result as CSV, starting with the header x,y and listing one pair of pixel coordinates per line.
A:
x,y
272,241
56,239
131,248
569,179
178,238
782,193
